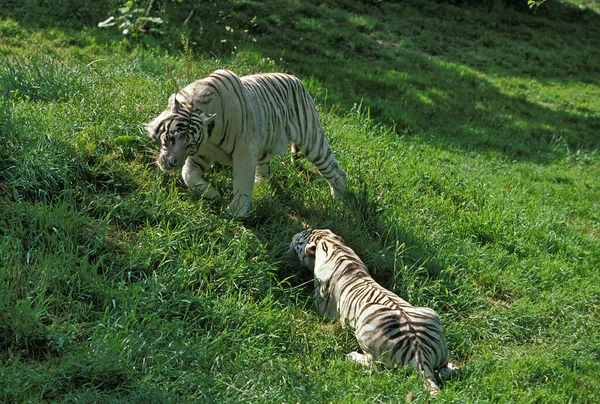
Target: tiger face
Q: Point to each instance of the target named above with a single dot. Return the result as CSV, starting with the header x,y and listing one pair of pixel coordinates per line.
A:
x,y
179,131
299,245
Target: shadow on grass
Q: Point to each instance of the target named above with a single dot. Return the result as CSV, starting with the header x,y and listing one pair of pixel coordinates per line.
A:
x,y
396,257
439,87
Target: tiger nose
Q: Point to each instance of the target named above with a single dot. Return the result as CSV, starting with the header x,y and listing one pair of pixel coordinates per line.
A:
x,y
172,161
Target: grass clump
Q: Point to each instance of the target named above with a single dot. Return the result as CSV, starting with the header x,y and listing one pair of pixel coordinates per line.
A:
x,y
39,79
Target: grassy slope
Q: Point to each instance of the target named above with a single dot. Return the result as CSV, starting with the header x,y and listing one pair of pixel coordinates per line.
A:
x,y
476,195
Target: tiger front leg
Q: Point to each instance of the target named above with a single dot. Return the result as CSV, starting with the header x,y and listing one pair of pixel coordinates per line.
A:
x,y
323,158
193,176
243,184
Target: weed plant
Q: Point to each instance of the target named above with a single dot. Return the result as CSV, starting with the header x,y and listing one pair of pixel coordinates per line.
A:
x,y
470,140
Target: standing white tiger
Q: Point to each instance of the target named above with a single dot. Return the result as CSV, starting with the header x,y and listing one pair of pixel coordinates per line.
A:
x,y
243,122
387,327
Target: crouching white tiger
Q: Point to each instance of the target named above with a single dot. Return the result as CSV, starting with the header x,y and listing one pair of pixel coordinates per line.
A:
x,y
388,328
243,122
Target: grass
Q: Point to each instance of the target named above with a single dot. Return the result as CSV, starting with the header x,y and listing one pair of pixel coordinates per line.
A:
x,y
470,142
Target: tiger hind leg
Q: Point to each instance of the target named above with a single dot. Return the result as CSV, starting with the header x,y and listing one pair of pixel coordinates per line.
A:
x,y
445,372
432,386
363,359
428,375
329,168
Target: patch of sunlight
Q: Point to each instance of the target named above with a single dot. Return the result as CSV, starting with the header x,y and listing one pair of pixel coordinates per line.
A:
x,y
424,99
438,94
310,23
394,76
432,96
573,96
362,21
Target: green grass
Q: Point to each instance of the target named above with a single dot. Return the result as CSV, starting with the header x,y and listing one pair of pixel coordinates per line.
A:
x,y
470,140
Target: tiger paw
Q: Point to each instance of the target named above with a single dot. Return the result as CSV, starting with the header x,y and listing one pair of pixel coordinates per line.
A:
x,y
206,192
238,211
363,359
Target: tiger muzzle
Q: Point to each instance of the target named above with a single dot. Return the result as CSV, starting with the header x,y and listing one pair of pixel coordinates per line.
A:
x,y
168,162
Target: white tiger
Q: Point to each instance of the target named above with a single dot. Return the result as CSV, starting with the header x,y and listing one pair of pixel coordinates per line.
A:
x,y
243,122
387,328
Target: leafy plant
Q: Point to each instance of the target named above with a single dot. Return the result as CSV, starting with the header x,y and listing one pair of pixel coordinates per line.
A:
x,y
135,21
535,3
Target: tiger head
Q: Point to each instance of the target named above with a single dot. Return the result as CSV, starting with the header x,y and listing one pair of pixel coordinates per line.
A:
x,y
315,249
299,245
180,130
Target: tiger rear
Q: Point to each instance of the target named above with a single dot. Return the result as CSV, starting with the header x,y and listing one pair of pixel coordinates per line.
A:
x,y
387,328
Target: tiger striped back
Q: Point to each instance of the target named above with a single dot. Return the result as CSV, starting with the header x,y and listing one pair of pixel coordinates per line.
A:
x,y
387,328
243,122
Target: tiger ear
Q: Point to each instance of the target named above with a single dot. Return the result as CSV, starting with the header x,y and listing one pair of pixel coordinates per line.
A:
x,y
151,129
206,118
310,250
173,103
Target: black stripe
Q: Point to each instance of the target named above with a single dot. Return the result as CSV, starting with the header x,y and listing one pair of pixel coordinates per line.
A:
x,y
225,133
235,139
231,80
209,128
199,164
372,317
